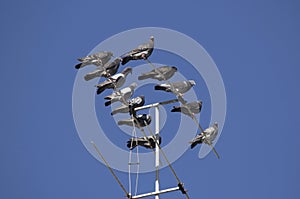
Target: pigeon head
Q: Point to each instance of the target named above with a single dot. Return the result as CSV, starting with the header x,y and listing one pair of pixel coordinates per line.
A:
x,y
143,97
110,54
118,59
152,38
133,85
192,82
127,70
215,125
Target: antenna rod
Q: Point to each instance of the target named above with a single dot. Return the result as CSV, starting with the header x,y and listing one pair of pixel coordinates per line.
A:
x,y
155,193
110,169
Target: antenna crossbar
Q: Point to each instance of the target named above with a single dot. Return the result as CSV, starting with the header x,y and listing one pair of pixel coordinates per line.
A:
x,y
155,193
156,104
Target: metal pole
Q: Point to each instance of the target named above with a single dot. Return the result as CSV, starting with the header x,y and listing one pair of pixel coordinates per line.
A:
x,y
155,193
157,152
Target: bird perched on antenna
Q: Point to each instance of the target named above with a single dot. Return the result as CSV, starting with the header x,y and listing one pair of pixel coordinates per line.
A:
x,y
107,70
115,81
207,136
130,106
134,103
162,73
122,95
178,88
189,109
143,51
148,142
139,121
97,59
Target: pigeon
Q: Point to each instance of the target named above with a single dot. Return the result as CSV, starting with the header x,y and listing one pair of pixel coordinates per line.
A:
x,y
177,88
139,121
143,51
206,137
189,109
134,103
107,70
148,142
130,106
121,109
97,59
162,73
122,95
115,81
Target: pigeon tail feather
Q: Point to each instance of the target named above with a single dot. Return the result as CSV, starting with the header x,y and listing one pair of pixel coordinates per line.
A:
x,y
89,77
77,66
101,89
107,103
193,145
131,144
123,122
114,112
145,76
176,109
159,87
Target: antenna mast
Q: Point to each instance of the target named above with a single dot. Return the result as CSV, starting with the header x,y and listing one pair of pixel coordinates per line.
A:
x,y
157,151
157,191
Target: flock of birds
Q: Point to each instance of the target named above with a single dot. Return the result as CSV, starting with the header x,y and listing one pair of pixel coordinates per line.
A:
x,y
115,81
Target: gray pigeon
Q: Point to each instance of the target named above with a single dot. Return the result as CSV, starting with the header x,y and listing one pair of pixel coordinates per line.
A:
x,y
143,51
115,81
97,59
107,70
121,109
178,88
162,73
140,121
207,136
122,95
130,106
148,142
189,109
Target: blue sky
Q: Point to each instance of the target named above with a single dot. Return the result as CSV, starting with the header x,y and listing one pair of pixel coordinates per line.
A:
x,y
255,45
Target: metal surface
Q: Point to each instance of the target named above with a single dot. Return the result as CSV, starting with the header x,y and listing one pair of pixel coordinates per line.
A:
x,y
157,151
155,193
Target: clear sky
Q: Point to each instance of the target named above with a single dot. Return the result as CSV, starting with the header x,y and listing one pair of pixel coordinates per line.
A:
x,y
255,45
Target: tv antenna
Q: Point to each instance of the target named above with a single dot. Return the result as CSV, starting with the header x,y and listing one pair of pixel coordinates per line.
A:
x,y
153,141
